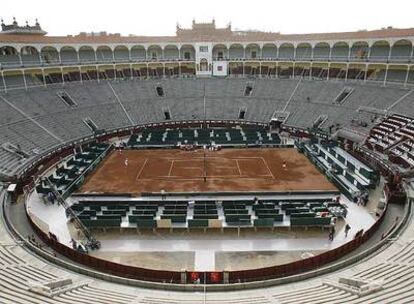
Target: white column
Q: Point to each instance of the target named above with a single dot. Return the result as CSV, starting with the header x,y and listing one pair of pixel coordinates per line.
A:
x,y
366,72
369,52
406,76
24,80
346,72
329,68
330,53
40,58
20,59
310,70
4,82
386,75
389,54
80,74
63,79
44,78
277,69
293,70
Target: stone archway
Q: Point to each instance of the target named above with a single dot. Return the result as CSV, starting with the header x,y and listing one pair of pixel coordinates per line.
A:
x,y
203,65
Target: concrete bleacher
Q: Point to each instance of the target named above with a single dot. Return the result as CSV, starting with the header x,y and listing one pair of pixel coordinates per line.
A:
x,y
52,122
9,162
200,137
394,137
324,92
405,106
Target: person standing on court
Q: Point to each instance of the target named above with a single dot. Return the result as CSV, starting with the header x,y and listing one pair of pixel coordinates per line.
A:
x,y
347,228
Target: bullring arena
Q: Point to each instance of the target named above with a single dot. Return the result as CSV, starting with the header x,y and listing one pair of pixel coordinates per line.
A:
x,y
212,166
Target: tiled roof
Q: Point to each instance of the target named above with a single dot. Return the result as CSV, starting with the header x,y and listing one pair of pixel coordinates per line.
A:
x,y
217,35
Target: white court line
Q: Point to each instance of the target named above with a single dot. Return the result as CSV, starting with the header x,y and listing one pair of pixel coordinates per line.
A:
x,y
171,167
264,161
177,177
140,171
212,157
211,177
238,167
258,175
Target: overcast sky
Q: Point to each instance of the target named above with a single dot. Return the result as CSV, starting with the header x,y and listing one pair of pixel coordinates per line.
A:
x,y
159,17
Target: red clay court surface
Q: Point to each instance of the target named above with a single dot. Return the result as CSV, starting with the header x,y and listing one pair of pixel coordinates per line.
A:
x,y
229,170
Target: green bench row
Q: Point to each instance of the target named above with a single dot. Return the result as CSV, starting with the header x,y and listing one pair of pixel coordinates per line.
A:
x,y
310,221
262,222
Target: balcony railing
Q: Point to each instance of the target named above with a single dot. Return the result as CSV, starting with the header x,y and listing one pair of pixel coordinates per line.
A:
x,y
53,63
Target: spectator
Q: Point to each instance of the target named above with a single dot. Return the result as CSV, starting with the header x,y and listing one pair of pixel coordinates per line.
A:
x,y
347,228
74,244
50,197
331,232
